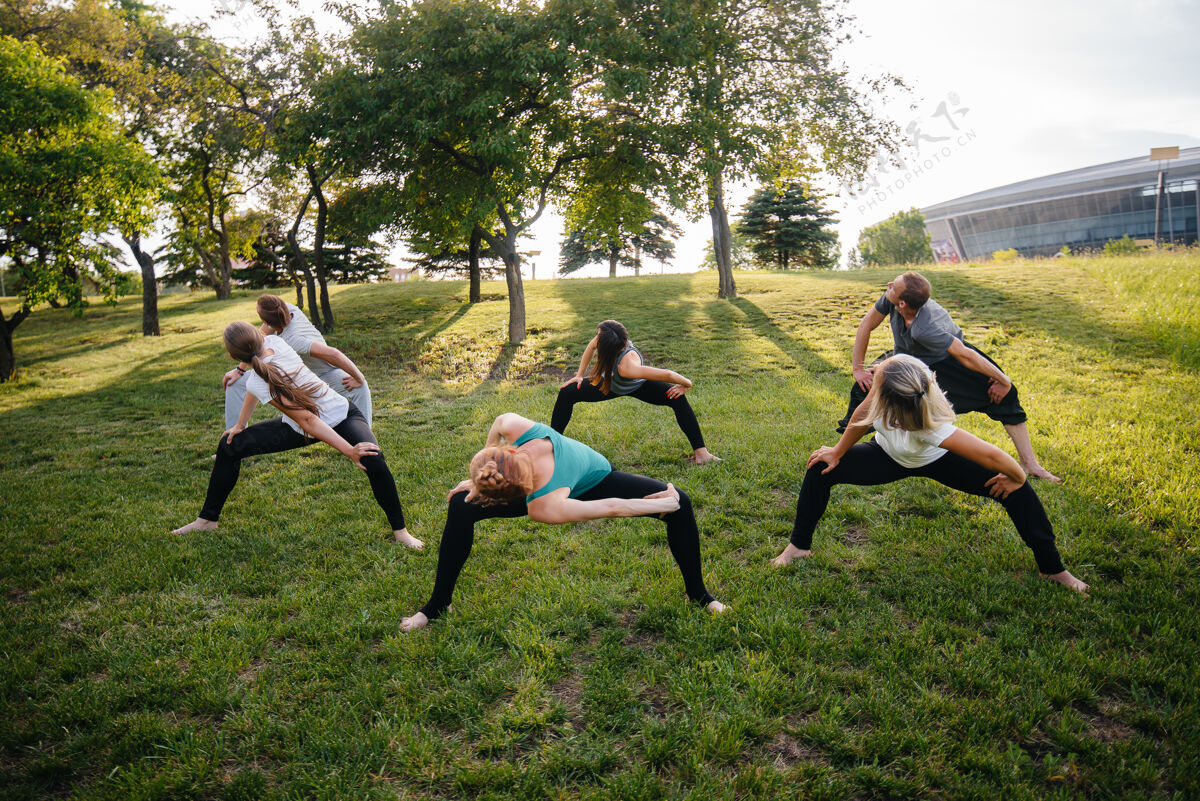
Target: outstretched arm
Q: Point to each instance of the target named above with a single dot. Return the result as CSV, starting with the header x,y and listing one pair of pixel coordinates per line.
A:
x,y
1009,475
338,359
556,507
862,338
317,428
631,367
972,360
508,426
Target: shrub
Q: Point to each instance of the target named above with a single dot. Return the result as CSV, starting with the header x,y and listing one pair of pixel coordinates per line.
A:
x,y
1005,256
1125,246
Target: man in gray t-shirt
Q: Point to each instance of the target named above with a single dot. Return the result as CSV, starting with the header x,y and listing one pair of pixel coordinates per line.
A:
x,y
329,364
971,380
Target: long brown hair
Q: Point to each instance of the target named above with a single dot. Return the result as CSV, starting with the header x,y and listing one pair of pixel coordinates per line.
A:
x,y
273,310
245,343
906,395
502,473
611,337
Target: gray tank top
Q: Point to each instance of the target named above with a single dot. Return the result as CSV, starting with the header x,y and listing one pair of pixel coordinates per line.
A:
x,y
619,384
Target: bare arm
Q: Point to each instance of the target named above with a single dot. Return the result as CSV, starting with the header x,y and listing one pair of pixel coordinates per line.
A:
x,y
508,426
556,507
632,367
317,428
971,447
588,353
862,338
248,404
858,427
337,359
1000,383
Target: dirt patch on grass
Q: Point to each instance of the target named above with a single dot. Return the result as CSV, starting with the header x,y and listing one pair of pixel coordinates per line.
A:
x,y
251,671
1108,730
786,752
855,536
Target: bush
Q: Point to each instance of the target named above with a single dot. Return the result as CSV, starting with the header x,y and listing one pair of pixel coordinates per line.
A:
x,y
1125,246
1005,256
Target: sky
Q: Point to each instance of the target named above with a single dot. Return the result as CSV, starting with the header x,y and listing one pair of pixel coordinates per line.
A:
x,y
999,92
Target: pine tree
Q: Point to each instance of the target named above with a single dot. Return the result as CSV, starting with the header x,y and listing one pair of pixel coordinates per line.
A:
x,y
789,227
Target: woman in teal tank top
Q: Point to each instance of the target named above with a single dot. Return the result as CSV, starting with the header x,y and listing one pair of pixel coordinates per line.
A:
x,y
620,370
554,479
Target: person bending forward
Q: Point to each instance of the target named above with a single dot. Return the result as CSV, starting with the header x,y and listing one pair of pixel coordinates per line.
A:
x,y
916,436
554,479
313,411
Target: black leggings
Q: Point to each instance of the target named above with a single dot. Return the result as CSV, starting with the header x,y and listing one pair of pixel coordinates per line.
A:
x,y
867,464
653,392
273,436
683,537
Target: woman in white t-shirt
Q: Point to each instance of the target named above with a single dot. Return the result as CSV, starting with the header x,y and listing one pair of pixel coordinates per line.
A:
x,y
916,436
312,412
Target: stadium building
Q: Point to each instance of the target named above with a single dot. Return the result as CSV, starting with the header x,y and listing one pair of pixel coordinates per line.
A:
x,y
1080,209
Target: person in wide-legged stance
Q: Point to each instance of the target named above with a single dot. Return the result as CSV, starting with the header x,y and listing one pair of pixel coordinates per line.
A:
x,y
313,411
554,479
969,378
916,436
327,363
620,370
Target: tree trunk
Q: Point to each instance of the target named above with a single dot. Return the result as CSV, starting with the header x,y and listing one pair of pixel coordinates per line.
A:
x,y
612,261
296,255
473,263
8,362
149,285
721,240
225,288
637,260
319,248
516,291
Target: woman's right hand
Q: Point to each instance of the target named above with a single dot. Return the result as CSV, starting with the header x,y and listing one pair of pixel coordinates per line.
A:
x,y
864,377
577,380
465,484
230,377
360,450
824,454
232,432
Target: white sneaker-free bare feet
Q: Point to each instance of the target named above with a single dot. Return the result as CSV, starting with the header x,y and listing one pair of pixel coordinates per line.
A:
x,y
702,456
1035,470
199,524
790,554
417,621
408,540
717,608
1067,580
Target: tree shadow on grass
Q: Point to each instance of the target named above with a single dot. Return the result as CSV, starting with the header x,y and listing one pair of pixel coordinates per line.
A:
x,y
802,356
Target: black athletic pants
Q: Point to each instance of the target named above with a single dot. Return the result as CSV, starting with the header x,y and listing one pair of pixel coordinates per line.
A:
x,y
966,390
867,464
273,436
653,392
683,537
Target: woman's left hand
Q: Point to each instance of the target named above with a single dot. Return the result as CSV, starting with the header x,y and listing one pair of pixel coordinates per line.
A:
x,y
676,390
1001,486
670,495
824,454
233,431
465,484
363,449
350,382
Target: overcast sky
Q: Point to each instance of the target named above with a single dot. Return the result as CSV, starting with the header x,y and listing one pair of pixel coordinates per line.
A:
x,y
1002,92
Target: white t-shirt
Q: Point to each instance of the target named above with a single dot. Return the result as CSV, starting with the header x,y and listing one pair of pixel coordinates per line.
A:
x,y
300,334
912,448
331,407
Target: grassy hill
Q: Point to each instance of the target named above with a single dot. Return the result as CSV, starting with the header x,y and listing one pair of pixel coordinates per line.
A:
x,y
916,655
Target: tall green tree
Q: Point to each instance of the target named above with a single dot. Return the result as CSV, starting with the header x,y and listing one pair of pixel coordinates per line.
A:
x,y
789,227
68,175
621,230
492,109
900,239
760,93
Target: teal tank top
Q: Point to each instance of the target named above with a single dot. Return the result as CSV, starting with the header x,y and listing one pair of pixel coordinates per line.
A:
x,y
575,465
619,385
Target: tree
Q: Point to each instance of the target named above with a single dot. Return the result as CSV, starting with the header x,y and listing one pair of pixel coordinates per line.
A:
x,y
740,255
900,239
615,227
760,93
489,110
788,227
68,175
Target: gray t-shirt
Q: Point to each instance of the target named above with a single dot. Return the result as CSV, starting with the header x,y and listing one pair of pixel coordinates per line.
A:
x,y
300,334
930,335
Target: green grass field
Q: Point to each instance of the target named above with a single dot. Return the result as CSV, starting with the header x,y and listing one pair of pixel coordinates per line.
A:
x,y
916,655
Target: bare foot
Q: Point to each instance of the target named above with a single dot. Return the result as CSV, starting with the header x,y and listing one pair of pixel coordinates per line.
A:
x,y
408,540
417,621
790,554
717,608
199,524
1067,580
1037,471
702,456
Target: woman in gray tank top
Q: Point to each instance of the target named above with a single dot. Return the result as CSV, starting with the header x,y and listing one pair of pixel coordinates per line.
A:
x,y
620,370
